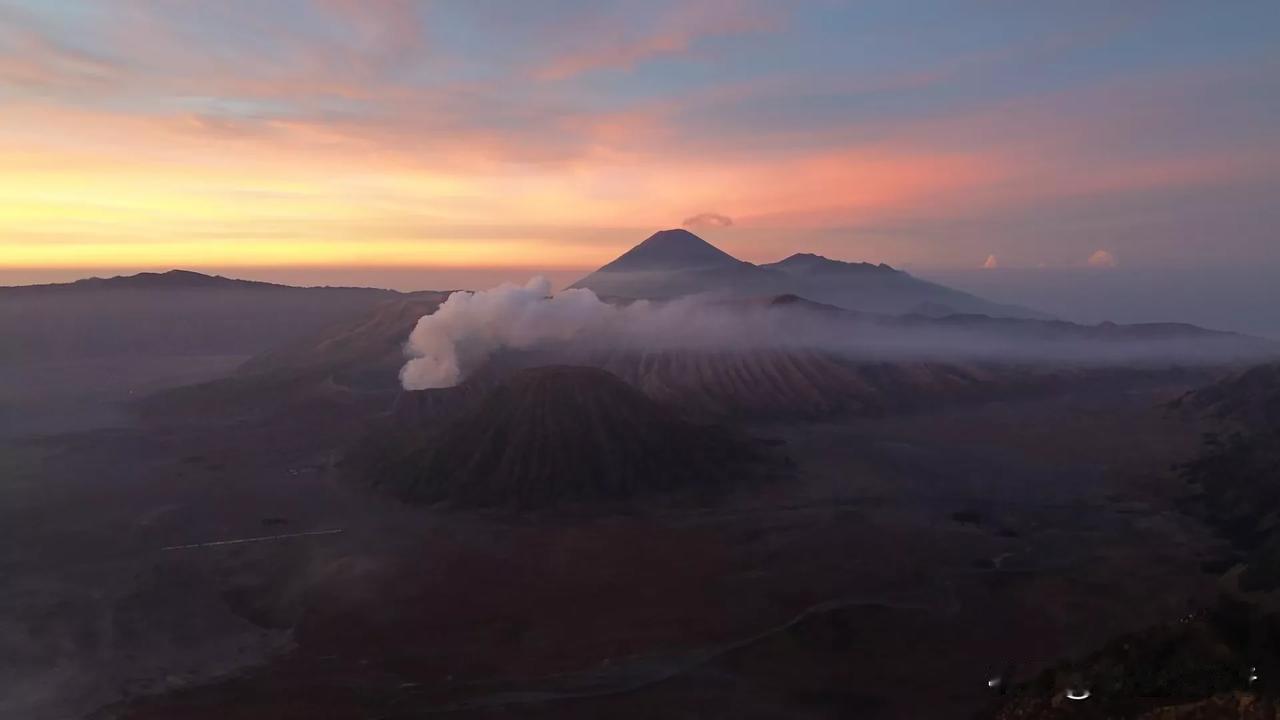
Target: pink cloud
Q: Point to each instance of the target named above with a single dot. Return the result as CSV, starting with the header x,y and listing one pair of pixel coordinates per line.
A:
x,y
676,36
30,59
1103,259
390,30
708,220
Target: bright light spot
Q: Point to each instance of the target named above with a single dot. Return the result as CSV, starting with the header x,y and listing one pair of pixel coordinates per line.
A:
x,y
1073,694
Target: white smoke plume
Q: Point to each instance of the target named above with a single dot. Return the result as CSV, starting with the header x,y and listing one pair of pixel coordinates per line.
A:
x,y
468,328
482,322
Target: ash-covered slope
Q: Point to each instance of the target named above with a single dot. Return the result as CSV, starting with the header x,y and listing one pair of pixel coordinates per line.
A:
x,y
325,369
1237,471
796,383
368,350
672,263
559,434
1250,398
766,384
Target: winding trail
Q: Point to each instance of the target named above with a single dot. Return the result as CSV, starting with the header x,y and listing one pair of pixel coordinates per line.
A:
x,y
260,538
642,673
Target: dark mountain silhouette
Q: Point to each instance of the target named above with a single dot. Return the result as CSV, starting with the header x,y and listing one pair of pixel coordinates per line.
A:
x,y
1021,328
173,313
170,279
676,249
792,300
139,281
672,263
559,434
813,264
881,288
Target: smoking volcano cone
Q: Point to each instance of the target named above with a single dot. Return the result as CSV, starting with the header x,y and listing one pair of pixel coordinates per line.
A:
x,y
561,434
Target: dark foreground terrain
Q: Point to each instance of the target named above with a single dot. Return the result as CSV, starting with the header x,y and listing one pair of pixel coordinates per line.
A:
x,y
781,532
909,559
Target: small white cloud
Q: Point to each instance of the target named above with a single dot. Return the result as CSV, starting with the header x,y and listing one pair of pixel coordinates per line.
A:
x,y
991,263
1103,259
708,220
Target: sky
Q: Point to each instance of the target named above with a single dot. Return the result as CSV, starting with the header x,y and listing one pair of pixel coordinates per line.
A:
x,y
348,138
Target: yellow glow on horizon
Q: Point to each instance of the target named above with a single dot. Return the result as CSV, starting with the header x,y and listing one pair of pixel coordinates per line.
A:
x,y
494,253
124,191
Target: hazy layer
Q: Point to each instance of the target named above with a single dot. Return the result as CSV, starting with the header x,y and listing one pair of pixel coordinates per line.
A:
x,y
470,327
1225,298
1243,299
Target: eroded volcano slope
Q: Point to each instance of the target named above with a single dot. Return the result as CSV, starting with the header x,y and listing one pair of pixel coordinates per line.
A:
x,y
557,434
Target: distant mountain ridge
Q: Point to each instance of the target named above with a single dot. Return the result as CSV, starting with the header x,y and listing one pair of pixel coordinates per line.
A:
x,y
671,263
800,263
172,313
170,279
